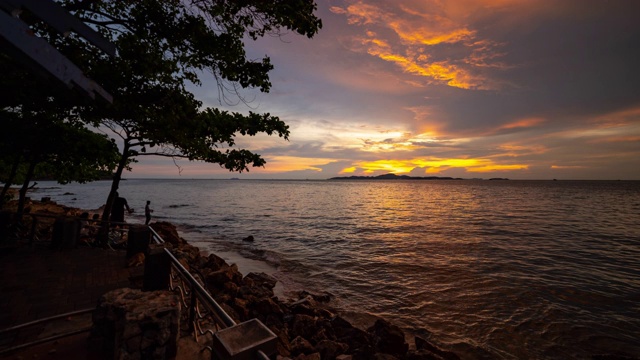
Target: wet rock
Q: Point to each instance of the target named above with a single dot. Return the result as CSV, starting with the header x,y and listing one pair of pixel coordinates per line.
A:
x,y
359,340
303,325
321,298
421,354
168,232
217,279
261,279
264,307
314,356
214,262
300,345
344,357
331,349
389,339
383,356
423,344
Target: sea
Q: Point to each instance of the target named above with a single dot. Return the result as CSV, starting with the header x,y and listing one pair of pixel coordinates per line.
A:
x,y
489,269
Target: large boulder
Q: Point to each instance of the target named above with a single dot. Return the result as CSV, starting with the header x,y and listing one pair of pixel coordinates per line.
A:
x,y
138,325
329,350
389,339
423,344
260,279
303,326
168,233
218,279
300,345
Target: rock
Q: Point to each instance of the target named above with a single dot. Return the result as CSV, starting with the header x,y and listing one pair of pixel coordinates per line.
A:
x,y
168,233
248,238
300,345
214,262
284,345
389,339
240,306
356,338
303,325
344,357
331,349
423,344
421,354
137,324
322,298
217,279
383,356
263,307
262,279
314,356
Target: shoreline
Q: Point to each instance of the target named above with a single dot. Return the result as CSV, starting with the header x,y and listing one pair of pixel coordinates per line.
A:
x,y
307,327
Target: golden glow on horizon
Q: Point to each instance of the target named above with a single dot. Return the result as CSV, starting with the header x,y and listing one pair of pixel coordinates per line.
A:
x,y
432,165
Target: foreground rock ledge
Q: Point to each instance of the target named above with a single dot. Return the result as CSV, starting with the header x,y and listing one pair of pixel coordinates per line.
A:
x,y
133,324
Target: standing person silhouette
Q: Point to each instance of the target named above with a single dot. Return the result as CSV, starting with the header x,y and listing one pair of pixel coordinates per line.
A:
x,y
147,212
117,211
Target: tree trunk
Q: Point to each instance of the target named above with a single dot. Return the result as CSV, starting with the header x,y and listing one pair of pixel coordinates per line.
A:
x,y
106,213
9,181
23,190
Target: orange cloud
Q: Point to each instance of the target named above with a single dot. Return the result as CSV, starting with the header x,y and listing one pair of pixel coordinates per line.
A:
x,y
519,150
277,164
419,28
567,167
439,71
617,139
619,118
523,123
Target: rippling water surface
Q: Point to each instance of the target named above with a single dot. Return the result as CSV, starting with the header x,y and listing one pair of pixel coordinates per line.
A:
x,y
490,269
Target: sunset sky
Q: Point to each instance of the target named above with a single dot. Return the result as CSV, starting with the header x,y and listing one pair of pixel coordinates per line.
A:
x,y
523,89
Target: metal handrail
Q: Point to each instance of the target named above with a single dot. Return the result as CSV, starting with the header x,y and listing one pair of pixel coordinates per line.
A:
x,y
37,217
199,295
221,317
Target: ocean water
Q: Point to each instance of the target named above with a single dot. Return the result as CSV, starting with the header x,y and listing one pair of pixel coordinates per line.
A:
x,y
489,269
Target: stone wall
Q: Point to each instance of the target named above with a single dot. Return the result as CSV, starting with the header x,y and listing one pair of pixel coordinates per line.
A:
x,y
133,324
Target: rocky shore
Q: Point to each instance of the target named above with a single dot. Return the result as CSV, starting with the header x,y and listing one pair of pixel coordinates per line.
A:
x,y
307,326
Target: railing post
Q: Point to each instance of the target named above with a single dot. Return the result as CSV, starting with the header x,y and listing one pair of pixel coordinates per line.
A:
x,y
138,240
5,223
192,306
65,233
157,269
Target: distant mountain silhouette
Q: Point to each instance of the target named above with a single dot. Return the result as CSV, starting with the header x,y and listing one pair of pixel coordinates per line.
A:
x,y
394,177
